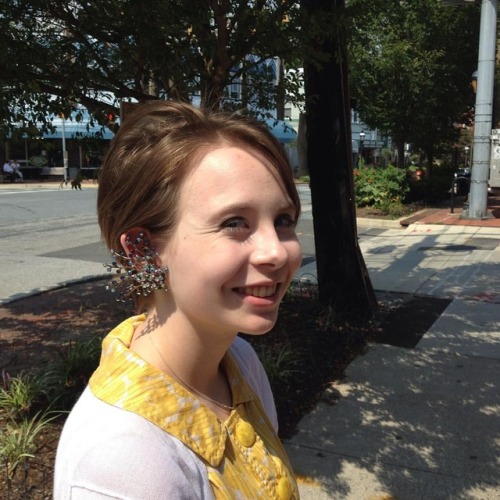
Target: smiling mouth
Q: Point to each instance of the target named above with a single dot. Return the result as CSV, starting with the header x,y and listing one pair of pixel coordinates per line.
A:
x,y
259,291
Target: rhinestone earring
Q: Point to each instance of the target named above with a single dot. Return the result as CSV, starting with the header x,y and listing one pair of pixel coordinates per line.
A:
x,y
139,274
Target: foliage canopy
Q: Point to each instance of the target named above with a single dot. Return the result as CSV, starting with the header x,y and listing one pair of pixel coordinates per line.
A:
x,y
411,66
98,53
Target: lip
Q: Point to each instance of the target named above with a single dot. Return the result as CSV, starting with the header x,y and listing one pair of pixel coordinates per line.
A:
x,y
261,292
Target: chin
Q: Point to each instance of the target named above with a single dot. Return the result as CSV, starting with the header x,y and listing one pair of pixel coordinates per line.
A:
x,y
260,328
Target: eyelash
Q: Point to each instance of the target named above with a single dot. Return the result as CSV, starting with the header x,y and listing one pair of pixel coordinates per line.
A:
x,y
228,225
290,221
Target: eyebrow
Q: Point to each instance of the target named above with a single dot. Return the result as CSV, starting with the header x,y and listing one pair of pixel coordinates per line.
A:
x,y
237,208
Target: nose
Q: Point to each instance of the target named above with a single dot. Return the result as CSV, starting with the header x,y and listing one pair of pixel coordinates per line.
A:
x,y
269,249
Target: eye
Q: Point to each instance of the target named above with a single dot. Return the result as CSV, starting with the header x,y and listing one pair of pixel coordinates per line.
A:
x,y
285,221
235,224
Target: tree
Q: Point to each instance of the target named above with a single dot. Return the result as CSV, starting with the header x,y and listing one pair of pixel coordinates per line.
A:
x,y
58,54
342,276
411,66
98,53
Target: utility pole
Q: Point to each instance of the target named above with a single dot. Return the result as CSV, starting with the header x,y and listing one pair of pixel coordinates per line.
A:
x,y
478,194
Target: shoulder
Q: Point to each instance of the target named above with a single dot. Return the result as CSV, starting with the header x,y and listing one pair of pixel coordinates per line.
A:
x,y
246,358
253,372
110,451
243,348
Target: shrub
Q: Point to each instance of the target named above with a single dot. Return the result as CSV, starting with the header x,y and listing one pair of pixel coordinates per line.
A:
x,y
380,187
18,441
66,377
432,188
19,395
280,364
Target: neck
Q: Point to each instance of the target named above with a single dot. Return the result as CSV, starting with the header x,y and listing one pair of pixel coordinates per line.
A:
x,y
221,396
191,359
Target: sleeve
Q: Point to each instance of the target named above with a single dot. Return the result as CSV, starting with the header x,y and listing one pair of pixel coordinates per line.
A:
x,y
254,373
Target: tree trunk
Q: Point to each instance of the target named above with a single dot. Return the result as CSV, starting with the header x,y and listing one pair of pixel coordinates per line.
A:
x,y
342,275
430,160
400,145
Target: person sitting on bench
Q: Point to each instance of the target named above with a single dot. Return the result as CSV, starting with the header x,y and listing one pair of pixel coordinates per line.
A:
x,y
8,171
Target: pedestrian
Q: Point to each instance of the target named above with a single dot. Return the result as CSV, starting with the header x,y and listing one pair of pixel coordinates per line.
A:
x,y
8,171
17,171
199,209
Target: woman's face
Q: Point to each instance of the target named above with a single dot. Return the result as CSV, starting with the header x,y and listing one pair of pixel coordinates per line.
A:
x,y
234,249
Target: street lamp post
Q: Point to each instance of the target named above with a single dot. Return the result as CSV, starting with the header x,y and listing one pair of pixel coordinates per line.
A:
x,y
64,151
362,136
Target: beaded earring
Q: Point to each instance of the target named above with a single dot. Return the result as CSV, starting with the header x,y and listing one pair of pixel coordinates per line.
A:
x,y
139,274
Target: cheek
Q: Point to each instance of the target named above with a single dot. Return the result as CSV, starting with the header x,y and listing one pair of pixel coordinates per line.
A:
x,y
295,255
207,269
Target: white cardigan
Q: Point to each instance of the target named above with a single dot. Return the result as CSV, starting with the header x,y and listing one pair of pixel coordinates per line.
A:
x,y
104,450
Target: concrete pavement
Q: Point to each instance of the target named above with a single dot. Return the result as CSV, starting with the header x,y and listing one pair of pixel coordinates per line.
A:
x,y
421,423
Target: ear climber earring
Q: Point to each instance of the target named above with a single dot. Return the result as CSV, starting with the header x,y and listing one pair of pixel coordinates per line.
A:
x,y
139,274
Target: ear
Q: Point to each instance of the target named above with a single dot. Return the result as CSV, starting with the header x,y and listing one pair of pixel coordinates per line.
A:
x,y
135,240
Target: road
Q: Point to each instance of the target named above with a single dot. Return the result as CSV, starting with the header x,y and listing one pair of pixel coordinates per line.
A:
x,y
51,237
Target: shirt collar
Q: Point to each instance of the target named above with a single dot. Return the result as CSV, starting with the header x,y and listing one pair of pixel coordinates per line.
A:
x,y
125,380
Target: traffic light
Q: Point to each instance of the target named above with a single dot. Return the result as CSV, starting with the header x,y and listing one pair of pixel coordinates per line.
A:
x,y
110,117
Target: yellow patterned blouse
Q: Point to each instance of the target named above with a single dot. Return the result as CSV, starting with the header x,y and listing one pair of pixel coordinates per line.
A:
x,y
244,457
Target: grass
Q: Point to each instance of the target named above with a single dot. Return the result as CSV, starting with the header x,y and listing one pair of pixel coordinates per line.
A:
x,y
18,394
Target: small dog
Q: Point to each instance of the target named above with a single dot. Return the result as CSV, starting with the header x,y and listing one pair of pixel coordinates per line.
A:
x,y
76,183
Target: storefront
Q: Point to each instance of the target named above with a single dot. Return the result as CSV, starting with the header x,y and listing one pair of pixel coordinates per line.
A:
x,y
78,138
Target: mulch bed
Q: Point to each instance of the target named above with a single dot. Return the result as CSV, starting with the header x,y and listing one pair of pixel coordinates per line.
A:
x,y
33,328
406,324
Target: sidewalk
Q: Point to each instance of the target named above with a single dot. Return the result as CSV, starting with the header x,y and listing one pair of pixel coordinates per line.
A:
x,y
446,216
422,422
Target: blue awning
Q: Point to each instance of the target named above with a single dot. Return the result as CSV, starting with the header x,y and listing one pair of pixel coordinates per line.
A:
x,y
74,129
282,130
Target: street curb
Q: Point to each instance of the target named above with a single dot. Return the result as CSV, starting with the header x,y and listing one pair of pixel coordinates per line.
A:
x,y
379,223
50,288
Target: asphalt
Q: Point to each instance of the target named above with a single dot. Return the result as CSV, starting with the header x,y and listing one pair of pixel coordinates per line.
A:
x,y
420,422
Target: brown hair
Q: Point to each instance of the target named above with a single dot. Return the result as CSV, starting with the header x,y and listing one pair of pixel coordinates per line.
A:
x,y
145,164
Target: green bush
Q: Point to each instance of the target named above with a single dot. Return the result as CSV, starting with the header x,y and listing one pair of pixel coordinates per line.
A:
x,y
19,395
433,188
380,187
280,364
30,401
67,376
19,441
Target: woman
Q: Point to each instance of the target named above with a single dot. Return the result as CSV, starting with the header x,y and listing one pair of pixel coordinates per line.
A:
x,y
203,207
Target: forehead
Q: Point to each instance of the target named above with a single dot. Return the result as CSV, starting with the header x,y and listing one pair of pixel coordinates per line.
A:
x,y
231,177
227,166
